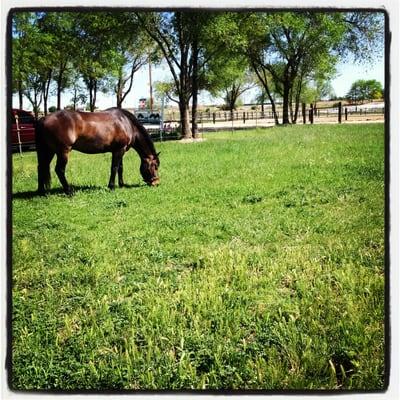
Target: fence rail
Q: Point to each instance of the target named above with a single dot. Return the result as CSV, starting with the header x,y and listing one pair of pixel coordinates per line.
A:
x,y
209,121
226,116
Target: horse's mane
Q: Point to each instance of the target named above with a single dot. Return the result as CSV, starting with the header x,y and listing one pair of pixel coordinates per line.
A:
x,y
140,127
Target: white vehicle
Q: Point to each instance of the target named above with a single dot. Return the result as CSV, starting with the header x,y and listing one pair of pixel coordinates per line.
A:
x,y
148,116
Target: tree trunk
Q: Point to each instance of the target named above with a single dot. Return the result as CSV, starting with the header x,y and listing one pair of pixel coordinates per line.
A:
x,y
45,105
135,67
90,93
92,86
20,95
94,95
119,94
263,79
273,107
45,90
195,86
58,94
36,100
285,105
297,97
195,129
62,68
118,90
119,102
291,106
75,98
59,89
184,117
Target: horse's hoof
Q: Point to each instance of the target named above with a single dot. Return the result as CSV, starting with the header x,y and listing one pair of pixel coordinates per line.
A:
x,y
69,191
111,187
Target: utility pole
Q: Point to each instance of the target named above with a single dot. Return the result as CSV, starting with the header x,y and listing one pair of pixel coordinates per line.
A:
x,y
151,87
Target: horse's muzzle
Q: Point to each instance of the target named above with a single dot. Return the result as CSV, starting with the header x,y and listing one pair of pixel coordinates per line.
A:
x,y
154,182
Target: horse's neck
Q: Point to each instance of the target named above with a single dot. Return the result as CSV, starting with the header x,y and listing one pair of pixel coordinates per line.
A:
x,y
142,146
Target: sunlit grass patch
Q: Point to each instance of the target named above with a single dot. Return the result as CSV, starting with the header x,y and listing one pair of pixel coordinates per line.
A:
x,y
258,263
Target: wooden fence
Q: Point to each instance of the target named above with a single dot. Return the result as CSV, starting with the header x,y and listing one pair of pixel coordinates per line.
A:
x,y
225,120
305,114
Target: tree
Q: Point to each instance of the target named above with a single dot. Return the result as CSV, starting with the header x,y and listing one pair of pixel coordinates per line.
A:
x,y
33,59
135,50
60,27
21,51
172,33
188,41
97,55
286,48
228,76
362,90
79,95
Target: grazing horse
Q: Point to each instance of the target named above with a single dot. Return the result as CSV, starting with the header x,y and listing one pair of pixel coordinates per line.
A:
x,y
114,130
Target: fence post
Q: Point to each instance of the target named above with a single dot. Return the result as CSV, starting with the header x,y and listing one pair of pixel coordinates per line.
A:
x,y
213,117
244,117
345,113
311,114
18,133
340,112
303,111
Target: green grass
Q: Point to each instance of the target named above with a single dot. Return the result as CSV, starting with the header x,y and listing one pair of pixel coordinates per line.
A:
x,y
258,263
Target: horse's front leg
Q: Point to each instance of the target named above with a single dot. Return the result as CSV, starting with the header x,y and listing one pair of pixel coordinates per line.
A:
x,y
115,163
62,160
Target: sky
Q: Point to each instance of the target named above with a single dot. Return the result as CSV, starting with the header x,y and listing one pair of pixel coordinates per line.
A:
x,y
347,73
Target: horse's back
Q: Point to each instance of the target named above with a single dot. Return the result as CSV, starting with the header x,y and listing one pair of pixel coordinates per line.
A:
x,y
87,132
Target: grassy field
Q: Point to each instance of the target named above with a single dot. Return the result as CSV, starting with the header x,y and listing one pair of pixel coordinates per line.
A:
x,y
258,263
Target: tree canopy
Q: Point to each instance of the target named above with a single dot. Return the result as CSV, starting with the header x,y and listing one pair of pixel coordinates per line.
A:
x,y
291,55
362,90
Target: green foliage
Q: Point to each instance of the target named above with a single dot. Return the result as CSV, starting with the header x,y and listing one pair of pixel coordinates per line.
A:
x,y
363,40
98,58
167,89
258,263
60,26
292,53
289,49
33,58
362,90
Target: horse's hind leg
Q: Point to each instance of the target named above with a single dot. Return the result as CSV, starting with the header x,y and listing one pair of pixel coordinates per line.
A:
x,y
115,165
44,160
62,160
120,174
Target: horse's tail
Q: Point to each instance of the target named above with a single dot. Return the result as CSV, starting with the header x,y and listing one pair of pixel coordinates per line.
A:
x,y
44,157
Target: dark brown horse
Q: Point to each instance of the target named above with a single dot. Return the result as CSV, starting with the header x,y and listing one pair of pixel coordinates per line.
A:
x,y
114,130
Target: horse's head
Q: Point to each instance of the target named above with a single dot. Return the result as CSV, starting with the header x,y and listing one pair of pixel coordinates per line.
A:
x,y
149,169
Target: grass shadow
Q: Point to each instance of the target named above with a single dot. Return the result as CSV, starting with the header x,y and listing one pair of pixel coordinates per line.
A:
x,y
134,185
30,194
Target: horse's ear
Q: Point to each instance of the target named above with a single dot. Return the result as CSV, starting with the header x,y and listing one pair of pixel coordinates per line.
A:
x,y
158,153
